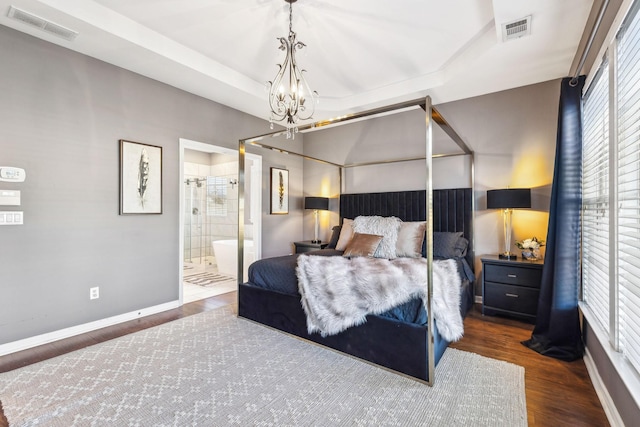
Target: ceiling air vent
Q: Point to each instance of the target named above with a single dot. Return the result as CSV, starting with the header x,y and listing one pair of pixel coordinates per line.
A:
x,y
516,29
41,23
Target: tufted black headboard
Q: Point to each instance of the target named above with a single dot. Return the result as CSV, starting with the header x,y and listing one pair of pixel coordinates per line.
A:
x,y
452,209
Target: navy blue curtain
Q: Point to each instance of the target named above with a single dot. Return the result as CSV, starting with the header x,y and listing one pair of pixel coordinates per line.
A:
x,y
557,330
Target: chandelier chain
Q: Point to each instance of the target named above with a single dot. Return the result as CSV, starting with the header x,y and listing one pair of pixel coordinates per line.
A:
x,y
290,18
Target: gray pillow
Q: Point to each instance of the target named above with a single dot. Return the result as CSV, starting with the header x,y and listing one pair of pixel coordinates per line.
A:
x,y
449,244
335,235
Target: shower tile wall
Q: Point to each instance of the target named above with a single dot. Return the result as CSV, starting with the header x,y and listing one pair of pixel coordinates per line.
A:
x,y
226,227
195,223
200,227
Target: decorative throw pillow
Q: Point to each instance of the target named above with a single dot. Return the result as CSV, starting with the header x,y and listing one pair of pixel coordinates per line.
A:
x,y
410,238
335,235
449,244
461,246
346,233
387,227
362,245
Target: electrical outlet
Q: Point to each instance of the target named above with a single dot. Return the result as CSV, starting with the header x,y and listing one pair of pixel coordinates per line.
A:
x,y
94,293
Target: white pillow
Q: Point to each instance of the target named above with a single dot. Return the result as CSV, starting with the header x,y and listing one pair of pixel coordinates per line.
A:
x,y
387,227
410,238
346,233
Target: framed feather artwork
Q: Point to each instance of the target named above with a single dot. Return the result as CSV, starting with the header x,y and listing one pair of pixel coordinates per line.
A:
x,y
140,178
279,191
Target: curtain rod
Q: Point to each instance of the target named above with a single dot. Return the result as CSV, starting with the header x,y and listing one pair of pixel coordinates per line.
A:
x,y
587,48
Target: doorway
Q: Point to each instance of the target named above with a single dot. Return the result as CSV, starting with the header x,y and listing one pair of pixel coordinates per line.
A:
x,y
209,218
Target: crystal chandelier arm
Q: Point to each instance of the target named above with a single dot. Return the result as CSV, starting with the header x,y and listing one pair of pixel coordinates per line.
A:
x,y
308,100
277,95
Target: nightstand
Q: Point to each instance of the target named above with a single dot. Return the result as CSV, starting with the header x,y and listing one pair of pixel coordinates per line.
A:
x,y
511,288
307,246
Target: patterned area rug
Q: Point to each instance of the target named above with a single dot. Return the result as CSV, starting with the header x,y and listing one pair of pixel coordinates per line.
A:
x,y
207,279
213,369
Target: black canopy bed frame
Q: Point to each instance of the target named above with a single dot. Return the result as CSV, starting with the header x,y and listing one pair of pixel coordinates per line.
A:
x,y
409,349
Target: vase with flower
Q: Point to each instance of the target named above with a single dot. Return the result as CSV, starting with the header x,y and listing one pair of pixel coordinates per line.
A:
x,y
530,248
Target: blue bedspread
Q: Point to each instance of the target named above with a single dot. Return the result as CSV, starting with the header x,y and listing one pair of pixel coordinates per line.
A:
x,y
279,274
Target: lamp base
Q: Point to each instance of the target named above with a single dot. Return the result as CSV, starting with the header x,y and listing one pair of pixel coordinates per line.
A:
x,y
316,241
508,256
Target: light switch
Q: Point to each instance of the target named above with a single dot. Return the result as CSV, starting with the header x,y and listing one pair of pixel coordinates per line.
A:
x,y
9,197
11,218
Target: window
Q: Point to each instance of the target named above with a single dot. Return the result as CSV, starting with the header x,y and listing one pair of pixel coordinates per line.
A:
x,y
611,193
216,196
595,197
628,186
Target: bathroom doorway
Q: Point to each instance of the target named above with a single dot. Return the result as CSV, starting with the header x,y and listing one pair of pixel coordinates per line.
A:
x,y
209,218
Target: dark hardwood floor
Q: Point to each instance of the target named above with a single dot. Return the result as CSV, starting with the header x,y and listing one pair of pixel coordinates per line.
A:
x,y
558,393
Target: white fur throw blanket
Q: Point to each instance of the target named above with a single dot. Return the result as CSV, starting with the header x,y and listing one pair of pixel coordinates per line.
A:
x,y
339,292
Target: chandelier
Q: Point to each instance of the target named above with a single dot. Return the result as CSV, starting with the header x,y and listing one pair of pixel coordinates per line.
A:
x,y
290,97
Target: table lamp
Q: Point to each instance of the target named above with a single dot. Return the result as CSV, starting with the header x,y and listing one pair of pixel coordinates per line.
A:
x,y
316,203
508,200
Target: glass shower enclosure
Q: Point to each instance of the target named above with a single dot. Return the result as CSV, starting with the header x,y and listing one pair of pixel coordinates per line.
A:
x,y
195,223
205,199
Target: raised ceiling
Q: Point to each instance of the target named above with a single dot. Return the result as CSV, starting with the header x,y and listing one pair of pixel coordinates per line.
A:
x,y
360,53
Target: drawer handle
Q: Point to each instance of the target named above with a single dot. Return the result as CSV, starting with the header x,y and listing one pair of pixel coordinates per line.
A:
x,y
512,275
512,295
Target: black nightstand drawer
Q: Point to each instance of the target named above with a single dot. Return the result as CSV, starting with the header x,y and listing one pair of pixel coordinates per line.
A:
x,y
513,275
511,287
303,249
516,299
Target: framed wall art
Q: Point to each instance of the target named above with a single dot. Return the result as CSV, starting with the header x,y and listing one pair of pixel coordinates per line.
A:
x,y
279,191
140,178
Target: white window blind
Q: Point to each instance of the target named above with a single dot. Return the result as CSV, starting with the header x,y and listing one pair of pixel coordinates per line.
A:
x,y
628,185
595,198
217,196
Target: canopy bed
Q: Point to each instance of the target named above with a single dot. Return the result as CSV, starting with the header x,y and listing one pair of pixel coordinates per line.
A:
x,y
286,292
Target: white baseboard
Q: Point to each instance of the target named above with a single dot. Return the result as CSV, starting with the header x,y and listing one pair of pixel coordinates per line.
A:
x,y
608,405
37,340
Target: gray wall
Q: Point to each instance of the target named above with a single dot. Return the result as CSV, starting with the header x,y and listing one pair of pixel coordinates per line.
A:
x,y
62,116
280,231
513,135
321,180
624,401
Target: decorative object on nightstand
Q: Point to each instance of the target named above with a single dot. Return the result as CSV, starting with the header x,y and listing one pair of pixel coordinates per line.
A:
x,y
508,199
530,248
308,246
316,203
510,287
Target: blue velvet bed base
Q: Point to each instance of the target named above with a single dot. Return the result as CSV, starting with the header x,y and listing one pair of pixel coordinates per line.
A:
x,y
390,343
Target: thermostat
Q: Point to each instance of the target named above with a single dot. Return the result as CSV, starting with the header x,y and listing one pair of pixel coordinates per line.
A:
x,y
11,174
